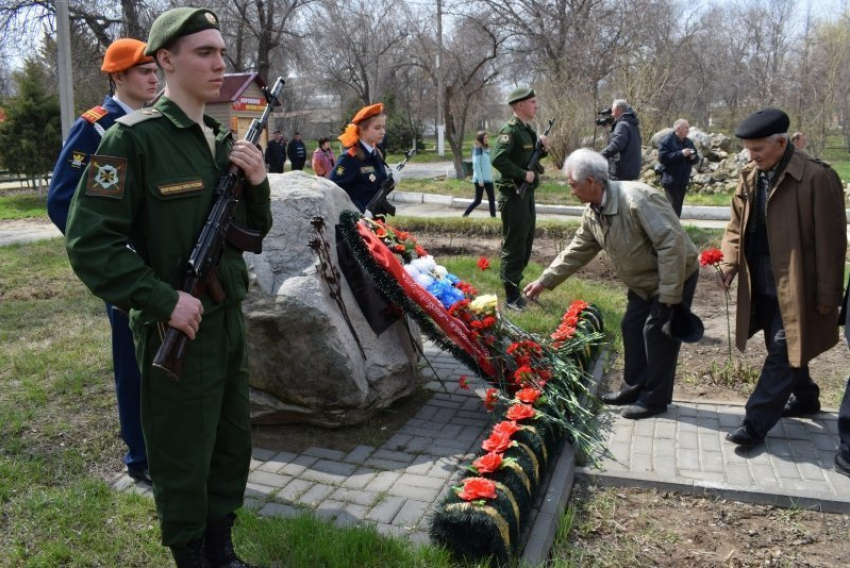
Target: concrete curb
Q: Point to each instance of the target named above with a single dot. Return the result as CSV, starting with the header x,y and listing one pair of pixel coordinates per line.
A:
x,y
815,501
552,502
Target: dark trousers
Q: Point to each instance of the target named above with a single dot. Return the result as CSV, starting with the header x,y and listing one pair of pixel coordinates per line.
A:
x,y
198,428
844,424
276,167
650,355
297,164
519,219
676,196
479,193
778,379
128,388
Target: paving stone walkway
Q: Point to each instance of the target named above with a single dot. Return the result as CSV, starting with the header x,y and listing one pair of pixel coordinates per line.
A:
x,y
685,450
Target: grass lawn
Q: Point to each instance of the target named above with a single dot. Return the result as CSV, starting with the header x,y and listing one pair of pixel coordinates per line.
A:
x,y
22,206
59,441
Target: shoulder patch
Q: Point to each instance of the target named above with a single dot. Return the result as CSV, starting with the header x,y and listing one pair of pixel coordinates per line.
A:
x,y
78,159
340,170
505,138
138,116
106,177
94,114
513,121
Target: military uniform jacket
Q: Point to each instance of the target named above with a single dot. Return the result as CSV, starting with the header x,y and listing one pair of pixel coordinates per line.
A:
x,y
361,179
151,183
641,234
512,152
83,139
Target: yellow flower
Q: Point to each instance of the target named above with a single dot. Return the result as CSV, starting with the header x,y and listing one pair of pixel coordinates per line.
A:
x,y
485,304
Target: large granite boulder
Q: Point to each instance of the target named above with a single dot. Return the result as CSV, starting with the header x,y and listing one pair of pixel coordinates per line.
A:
x,y
305,362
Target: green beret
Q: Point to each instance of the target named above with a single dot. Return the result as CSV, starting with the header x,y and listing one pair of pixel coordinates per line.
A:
x,y
177,23
520,94
763,123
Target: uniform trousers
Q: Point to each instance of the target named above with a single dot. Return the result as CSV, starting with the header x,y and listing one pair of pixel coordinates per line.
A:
x,y
128,387
778,379
519,219
198,428
650,355
676,196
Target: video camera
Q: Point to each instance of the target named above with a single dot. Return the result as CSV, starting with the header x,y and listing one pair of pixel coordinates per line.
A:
x,y
606,117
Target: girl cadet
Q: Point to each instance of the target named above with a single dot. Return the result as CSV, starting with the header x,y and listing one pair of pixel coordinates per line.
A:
x,y
361,169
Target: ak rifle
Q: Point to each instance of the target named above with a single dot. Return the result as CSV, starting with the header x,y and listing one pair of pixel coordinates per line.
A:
x,y
535,158
378,205
218,230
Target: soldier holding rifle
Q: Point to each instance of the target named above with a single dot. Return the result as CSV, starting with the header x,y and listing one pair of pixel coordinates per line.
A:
x,y
151,184
515,145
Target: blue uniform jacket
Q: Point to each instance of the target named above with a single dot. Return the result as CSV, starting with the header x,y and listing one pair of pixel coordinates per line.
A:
x,y
83,140
361,179
677,168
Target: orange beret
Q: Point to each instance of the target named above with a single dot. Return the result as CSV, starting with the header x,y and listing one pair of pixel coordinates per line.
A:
x,y
123,54
368,112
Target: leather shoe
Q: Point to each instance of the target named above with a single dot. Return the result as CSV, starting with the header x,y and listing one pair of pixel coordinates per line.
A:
x,y
620,397
141,474
796,407
842,465
744,438
639,411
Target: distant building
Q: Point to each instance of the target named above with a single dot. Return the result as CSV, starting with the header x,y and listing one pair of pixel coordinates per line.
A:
x,y
240,101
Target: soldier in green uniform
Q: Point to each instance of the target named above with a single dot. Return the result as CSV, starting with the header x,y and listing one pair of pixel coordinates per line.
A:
x,y
133,223
514,146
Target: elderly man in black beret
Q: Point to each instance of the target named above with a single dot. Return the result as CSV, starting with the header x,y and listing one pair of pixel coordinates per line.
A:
x,y
786,242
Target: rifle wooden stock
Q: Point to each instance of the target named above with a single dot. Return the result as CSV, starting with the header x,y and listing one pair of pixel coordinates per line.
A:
x,y
200,270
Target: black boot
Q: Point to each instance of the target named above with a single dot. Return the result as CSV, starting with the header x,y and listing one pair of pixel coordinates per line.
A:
x,y
513,299
190,555
218,546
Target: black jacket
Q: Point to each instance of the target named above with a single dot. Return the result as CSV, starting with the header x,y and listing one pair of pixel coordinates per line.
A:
x,y
677,168
623,149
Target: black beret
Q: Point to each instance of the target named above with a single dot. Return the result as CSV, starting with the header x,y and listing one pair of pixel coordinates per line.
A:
x,y
764,123
176,23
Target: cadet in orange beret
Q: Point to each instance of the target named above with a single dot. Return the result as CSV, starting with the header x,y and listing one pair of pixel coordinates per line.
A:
x,y
132,82
361,170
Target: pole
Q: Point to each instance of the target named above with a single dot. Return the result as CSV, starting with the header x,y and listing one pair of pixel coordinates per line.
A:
x,y
441,122
63,47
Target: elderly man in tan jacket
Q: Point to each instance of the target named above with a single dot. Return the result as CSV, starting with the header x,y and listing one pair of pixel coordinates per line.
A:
x,y
786,242
653,256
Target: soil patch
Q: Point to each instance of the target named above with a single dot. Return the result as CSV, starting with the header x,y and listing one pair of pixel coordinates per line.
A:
x,y
634,527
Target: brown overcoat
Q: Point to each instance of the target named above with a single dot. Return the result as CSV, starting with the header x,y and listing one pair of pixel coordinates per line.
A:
x,y
807,235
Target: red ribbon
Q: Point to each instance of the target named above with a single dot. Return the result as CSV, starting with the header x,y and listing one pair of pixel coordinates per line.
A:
x,y
454,328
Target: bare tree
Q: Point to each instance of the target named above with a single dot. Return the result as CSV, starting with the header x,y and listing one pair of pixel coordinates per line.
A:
x,y
352,47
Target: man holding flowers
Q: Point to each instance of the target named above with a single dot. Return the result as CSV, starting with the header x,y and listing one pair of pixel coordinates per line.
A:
x,y
786,242
654,257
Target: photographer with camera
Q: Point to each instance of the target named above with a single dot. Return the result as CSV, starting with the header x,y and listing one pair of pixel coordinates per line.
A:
x,y
623,149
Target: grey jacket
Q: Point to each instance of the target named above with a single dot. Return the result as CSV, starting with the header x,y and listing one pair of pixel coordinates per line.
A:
x,y
642,236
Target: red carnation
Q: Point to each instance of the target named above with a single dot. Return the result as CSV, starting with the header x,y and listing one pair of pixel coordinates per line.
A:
x,y
491,399
488,463
462,382
520,412
507,427
528,395
421,251
497,442
710,257
477,488
483,263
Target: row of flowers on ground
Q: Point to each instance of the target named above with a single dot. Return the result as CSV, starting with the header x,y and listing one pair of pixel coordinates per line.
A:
x,y
538,385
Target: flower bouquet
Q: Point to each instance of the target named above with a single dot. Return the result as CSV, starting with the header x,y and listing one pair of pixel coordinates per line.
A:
x,y
538,394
